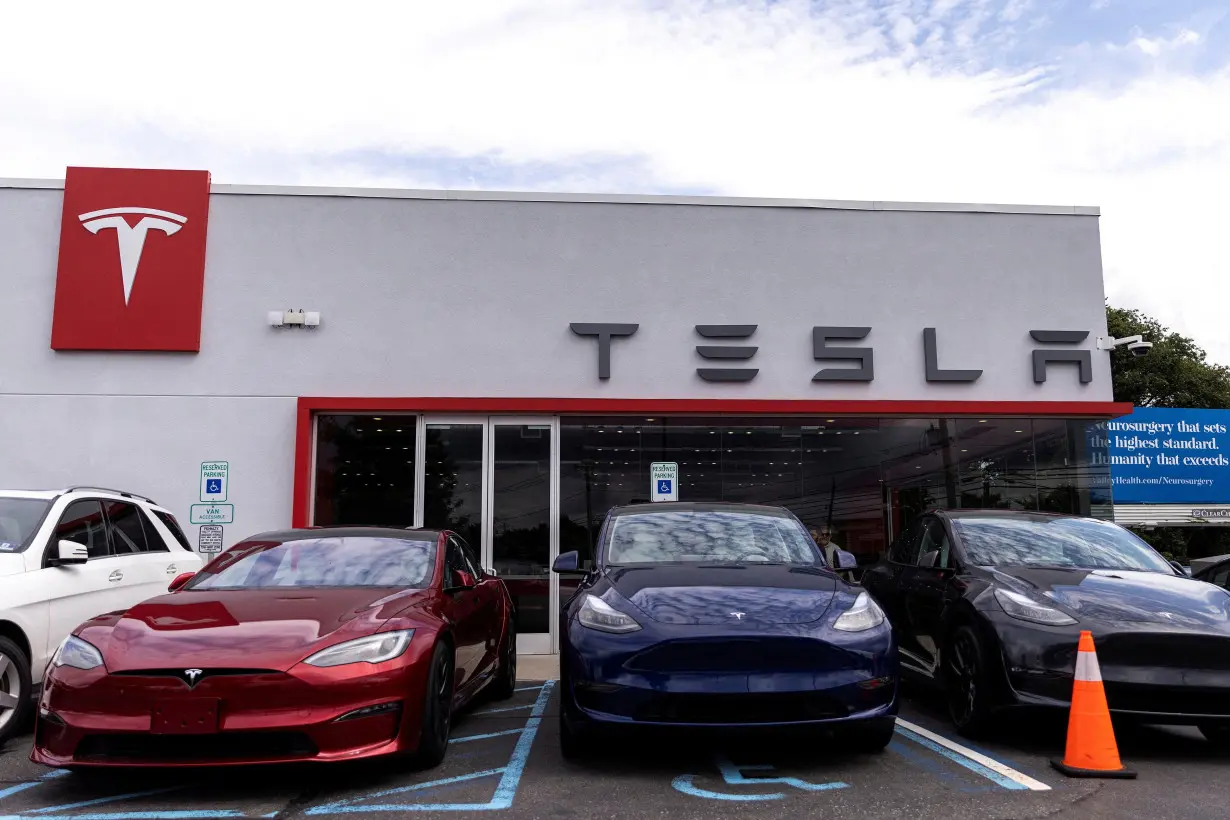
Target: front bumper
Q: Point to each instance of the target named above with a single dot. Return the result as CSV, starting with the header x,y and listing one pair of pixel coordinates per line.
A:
x,y
96,719
1163,677
735,678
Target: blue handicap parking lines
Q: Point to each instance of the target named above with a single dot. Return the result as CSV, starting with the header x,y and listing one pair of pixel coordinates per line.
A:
x,y
977,762
733,775
505,790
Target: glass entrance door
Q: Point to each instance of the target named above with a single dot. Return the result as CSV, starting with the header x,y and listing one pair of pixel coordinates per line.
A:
x,y
493,480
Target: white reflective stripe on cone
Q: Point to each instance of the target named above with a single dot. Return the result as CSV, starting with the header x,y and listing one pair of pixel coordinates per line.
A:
x,y
1087,667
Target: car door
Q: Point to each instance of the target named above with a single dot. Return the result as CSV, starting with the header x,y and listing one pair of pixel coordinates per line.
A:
x,y
888,580
139,553
463,609
79,592
926,588
488,614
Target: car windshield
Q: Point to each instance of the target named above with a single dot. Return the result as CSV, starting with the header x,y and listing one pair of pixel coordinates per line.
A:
x,y
709,537
1080,543
321,562
19,517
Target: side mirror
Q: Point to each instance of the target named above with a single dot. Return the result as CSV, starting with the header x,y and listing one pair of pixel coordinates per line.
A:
x,y
70,552
462,580
180,580
568,563
845,560
1182,570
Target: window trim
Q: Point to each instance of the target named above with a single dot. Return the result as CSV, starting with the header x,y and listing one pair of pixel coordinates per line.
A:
x,y
53,540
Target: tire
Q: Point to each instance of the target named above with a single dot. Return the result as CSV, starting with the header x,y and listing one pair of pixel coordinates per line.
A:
x,y
506,678
15,689
1217,734
967,687
873,736
437,709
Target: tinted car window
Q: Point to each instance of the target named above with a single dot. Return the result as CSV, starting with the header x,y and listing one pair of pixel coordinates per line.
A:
x,y
128,527
934,545
1081,543
905,551
19,517
83,523
171,524
322,562
467,555
704,536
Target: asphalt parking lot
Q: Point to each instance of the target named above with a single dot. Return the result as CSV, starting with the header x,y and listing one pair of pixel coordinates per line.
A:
x,y
505,758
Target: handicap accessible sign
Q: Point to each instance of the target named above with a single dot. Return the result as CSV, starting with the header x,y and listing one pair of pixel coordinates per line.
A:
x,y
664,481
215,478
212,514
1169,456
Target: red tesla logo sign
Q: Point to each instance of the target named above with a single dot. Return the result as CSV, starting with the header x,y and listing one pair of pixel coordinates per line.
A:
x,y
131,274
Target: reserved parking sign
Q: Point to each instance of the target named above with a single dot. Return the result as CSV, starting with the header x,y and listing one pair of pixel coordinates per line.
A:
x,y
664,481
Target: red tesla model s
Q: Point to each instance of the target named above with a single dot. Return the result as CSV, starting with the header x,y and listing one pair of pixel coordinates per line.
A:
x,y
316,644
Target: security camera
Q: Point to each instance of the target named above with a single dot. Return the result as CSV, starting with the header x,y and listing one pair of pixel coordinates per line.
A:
x,y
1136,345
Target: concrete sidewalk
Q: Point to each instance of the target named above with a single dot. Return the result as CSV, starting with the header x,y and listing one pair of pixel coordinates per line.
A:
x,y
538,667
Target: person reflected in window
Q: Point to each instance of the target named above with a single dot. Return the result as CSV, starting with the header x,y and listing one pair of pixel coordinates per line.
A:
x,y
823,536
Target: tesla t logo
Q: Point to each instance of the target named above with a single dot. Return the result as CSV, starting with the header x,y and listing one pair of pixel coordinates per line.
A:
x,y
131,238
131,274
192,675
738,616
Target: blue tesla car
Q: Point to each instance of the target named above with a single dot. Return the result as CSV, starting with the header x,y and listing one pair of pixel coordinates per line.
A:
x,y
720,615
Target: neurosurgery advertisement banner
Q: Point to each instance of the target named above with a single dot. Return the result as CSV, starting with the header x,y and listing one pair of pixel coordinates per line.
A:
x,y
1170,456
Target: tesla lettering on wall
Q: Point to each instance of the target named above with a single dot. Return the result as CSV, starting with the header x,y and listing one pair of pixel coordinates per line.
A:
x,y
1051,347
131,271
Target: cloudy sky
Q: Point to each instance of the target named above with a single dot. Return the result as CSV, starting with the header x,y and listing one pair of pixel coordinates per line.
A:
x,y
1123,104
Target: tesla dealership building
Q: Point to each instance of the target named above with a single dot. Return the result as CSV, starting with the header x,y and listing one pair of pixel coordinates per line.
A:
x,y
511,365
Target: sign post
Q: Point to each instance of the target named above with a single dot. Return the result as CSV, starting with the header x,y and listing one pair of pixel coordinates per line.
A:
x,y
664,481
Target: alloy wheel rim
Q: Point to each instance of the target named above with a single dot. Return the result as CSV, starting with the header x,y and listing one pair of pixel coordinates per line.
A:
x,y
10,690
964,687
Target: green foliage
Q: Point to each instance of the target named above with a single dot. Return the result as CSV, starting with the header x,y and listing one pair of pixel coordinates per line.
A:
x,y
1176,373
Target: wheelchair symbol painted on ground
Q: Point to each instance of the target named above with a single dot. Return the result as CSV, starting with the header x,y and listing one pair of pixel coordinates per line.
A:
x,y
734,776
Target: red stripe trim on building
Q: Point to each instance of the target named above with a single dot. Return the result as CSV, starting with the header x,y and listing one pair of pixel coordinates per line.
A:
x,y
309,406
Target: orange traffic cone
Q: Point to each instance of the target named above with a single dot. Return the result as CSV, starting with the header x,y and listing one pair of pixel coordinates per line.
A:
x,y
1092,751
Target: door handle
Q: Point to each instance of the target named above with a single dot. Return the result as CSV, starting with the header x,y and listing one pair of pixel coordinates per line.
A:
x,y
116,576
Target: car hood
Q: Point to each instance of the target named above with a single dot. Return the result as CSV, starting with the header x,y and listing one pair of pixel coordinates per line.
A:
x,y
241,629
1127,596
726,594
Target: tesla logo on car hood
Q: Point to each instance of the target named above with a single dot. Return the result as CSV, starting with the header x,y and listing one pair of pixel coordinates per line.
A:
x,y
738,616
192,676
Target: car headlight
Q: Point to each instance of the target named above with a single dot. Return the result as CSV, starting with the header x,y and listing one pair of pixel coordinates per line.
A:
x,y
78,654
598,614
1027,609
373,649
865,614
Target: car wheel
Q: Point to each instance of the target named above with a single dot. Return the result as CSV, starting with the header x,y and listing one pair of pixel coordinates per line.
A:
x,y
506,681
14,689
966,682
1218,734
437,709
873,736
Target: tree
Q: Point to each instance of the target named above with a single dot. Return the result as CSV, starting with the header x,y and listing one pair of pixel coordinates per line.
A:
x,y
1176,373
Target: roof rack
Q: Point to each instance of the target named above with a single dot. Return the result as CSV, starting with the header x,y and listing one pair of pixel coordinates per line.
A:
x,y
124,493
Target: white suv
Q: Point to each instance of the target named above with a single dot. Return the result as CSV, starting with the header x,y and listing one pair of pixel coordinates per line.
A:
x,y
67,556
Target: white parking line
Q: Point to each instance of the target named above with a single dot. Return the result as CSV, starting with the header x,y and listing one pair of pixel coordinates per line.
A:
x,y
954,751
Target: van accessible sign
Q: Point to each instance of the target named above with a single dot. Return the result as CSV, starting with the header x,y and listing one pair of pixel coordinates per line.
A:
x,y
1170,456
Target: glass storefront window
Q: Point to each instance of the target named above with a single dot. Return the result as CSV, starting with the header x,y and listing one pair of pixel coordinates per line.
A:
x,y
365,471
